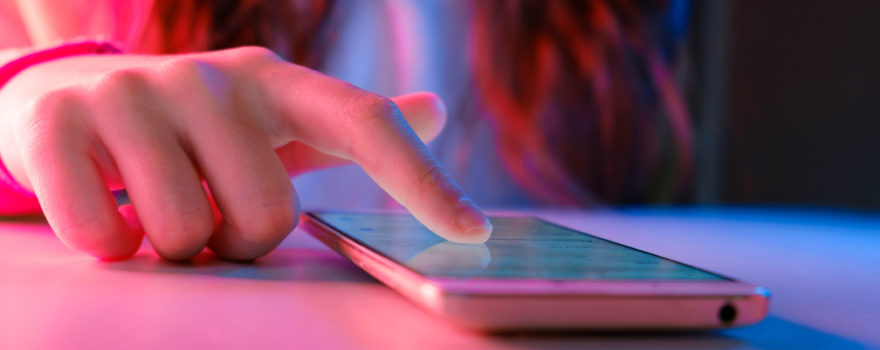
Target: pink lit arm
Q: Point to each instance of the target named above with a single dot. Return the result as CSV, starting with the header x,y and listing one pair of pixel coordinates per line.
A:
x,y
14,199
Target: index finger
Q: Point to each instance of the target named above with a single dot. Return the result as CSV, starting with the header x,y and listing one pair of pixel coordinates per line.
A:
x,y
341,120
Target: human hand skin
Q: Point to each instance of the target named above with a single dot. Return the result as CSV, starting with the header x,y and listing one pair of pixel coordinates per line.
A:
x,y
240,121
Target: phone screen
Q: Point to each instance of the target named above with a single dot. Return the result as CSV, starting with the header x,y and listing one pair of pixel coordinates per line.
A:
x,y
520,248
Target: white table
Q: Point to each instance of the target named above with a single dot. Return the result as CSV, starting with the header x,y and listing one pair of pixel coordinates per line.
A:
x,y
823,268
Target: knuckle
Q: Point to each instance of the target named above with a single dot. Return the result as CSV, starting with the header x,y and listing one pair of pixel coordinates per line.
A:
x,y
270,222
364,112
254,53
366,108
182,235
45,120
128,80
197,78
182,67
434,176
53,102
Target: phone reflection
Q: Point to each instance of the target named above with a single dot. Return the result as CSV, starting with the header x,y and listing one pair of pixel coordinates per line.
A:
x,y
451,259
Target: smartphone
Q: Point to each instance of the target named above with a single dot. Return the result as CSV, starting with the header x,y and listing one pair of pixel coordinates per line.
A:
x,y
534,275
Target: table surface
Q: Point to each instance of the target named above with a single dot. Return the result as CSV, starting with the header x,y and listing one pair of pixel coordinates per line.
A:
x,y
822,267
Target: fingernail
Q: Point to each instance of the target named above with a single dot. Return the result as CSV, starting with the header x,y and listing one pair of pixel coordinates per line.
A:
x,y
471,220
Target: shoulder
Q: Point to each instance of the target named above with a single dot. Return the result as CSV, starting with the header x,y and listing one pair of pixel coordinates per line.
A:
x,y
12,26
48,22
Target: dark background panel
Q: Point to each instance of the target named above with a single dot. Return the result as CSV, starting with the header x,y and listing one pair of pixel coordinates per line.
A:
x,y
801,103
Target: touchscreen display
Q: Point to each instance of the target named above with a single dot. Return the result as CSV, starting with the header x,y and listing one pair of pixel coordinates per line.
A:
x,y
520,248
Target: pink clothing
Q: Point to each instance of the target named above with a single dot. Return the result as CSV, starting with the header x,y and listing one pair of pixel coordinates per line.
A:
x,y
14,199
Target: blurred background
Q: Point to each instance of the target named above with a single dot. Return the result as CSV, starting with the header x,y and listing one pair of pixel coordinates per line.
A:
x,y
785,97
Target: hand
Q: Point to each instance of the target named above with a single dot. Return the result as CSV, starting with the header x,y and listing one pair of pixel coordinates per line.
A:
x,y
239,121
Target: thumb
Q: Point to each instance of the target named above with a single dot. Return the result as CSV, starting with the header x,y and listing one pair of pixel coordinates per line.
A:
x,y
425,113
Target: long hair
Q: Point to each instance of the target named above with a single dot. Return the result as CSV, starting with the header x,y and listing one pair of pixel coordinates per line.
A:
x,y
299,31
582,103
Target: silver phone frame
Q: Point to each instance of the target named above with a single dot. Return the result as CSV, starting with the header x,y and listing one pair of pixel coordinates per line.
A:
x,y
515,304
